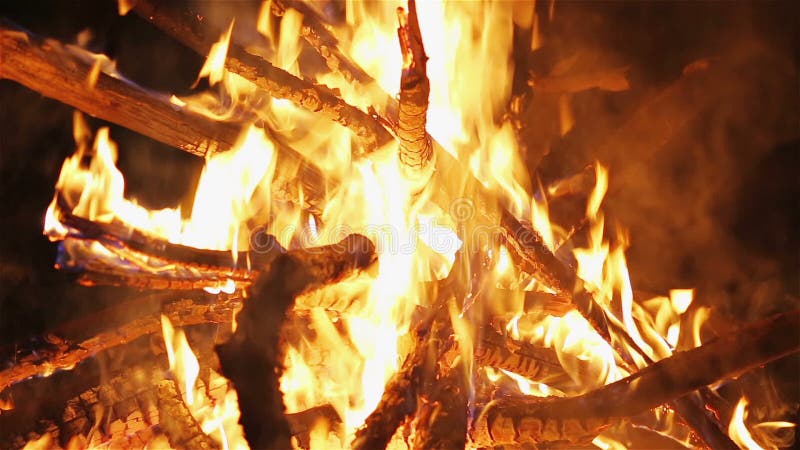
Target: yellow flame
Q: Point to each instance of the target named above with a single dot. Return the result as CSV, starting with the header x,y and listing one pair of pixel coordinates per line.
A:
x,y
125,6
540,218
681,299
289,41
214,66
599,191
182,361
737,429
216,406
607,443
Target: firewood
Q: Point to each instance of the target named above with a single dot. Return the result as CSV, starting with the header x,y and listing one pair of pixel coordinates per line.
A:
x,y
303,422
536,363
325,263
252,358
193,268
416,149
509,421
191,29
52,69
440,421
66,354
399,398
177,421
326,44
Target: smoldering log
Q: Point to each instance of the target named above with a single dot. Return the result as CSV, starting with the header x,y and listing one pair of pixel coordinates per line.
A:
x,y
191,29
57,70
252,358
509,421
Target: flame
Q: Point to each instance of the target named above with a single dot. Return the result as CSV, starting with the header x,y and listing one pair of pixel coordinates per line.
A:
x,y
540,218
737,429
42,443
345,360
216,406
6,404
182,361
214,66
219,215
681,299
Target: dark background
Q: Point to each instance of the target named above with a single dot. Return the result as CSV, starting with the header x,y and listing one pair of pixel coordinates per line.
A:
x,y
714,204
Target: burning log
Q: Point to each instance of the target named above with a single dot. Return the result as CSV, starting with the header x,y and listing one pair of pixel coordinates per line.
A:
x,y
326,44
536,363
442,401
58,71
399,398
252,358
416,149
325,263
177,421
512,421
196,268
61,72
67,354
190,28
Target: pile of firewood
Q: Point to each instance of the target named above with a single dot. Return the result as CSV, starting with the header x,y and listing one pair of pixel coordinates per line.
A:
x,y
429,393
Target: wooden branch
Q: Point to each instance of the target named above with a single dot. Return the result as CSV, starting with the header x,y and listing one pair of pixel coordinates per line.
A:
x,y
54,70
536,363
416,149
191,29
510,421
440,421
253,359
323,41
399,398
190,268
177,421
67,354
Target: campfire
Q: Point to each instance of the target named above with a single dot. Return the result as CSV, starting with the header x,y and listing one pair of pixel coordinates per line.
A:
x,y
368,260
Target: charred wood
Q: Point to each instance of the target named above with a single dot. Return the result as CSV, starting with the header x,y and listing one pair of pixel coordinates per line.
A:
x,y
191,29
252,358
440,421
526,420
177,422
